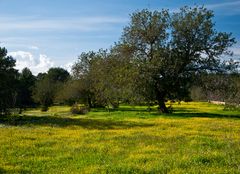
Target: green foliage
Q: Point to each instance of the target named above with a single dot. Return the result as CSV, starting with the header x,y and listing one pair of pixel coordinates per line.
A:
x,y
8,82
171,49
26,83
83,80
159,57
58,74
223,87
44,92
106,85
70,92
48,85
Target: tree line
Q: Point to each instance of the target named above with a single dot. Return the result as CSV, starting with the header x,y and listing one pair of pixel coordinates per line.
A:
x,y
160,56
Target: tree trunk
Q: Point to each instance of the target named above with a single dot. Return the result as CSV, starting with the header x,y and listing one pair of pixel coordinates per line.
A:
x,y
162,107
89,101
20,110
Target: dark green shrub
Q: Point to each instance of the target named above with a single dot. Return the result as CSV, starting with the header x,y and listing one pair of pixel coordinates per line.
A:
x,y
44,108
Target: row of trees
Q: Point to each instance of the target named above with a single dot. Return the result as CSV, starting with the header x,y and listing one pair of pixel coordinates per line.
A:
x,y
218,87
23,90
160,56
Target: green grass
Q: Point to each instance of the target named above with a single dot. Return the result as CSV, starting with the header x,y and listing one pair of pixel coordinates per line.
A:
x,y
196,138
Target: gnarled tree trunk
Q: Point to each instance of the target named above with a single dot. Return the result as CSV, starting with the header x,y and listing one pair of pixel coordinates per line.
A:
x,y
161,102
162,107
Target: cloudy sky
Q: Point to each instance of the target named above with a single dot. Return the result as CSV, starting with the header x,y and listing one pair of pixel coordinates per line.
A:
x,y
41,34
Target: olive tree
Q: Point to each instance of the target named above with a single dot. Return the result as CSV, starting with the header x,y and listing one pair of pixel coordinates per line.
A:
x,y
170,49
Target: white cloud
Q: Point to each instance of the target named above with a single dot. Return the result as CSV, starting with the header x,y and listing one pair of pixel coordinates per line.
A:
x,y
226,8
224,5
94,23
35,64
236,51
33,47
68,66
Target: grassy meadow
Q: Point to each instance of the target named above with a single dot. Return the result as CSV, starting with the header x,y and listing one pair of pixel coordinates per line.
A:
x,y
196,138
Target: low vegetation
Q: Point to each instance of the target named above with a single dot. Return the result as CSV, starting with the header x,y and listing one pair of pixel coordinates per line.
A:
x,y
196,138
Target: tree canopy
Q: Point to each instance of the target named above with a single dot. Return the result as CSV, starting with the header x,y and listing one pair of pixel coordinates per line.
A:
x,y
48,85
26,82
160,56
8,81
170,49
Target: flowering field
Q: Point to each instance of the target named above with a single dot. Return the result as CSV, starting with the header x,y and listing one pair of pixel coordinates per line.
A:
x,y
196,138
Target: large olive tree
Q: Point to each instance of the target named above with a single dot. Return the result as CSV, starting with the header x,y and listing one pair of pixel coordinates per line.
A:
x,y
170,49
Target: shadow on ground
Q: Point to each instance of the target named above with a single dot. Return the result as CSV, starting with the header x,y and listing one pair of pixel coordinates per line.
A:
x,y
131,109
206,115
2,171
87,123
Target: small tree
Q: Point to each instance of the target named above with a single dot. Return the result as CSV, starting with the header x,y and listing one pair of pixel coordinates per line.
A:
x,y
102,77
58,74
44,93
48,85
26,83
85,79
74,91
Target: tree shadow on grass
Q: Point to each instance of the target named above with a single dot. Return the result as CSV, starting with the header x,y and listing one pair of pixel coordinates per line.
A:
x,y
87,123
134,109
185,110
2,171
130,109
204,115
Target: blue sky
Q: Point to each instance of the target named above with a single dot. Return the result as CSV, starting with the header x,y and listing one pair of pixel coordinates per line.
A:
x,y
45,33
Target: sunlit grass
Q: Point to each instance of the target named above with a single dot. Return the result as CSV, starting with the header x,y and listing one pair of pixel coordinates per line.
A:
x,y
196,138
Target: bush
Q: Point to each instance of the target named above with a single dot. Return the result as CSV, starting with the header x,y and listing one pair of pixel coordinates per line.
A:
x,y
76,109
